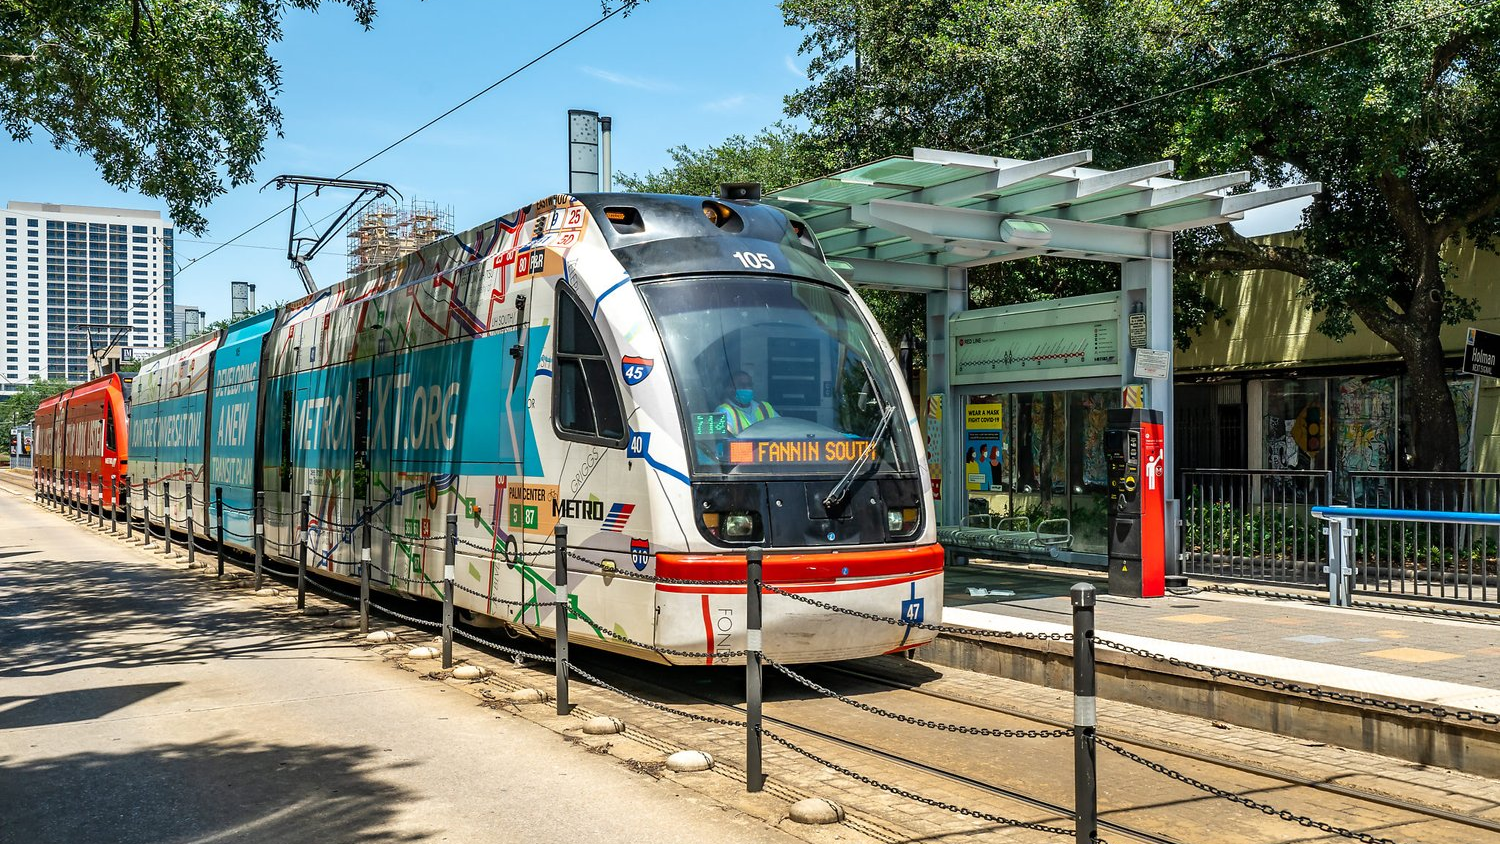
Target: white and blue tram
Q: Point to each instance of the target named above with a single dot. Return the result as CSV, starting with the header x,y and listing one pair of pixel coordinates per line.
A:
x,y
574,364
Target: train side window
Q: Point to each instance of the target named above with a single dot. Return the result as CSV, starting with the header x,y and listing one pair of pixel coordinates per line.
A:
x,y
109,429
585,403
286,441
361,437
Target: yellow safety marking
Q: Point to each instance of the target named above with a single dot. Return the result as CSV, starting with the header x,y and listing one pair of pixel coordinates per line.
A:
x,y
1412,655
1196,618
1391,634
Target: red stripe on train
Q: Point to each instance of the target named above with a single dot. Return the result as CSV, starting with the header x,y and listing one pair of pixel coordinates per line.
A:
x,y
805,568
802,588
708,630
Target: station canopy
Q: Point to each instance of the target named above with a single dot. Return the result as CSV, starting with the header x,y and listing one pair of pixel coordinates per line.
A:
x,y
903,222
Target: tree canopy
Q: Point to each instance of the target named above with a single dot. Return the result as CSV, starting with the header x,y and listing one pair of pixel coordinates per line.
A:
x,y
21,406
172,98
1391,104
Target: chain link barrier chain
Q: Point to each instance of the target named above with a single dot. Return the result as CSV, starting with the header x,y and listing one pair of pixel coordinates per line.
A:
x,y
708,719
658,649
431,625
414,541
476,593
937,628
1488,617
606,632
509,556
651,578
499,647
1243,801
911,795
909,719
1309,691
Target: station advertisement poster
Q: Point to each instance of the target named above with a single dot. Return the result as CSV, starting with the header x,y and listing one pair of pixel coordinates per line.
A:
x,y
934,441
983,438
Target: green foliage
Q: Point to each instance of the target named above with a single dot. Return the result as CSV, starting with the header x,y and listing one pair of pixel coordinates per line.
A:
x,y
1402,128
778,157
1270,531
19,408
169,97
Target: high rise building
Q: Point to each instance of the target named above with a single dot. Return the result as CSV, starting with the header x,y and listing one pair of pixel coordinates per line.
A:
x,y
241,299
66,266
187,321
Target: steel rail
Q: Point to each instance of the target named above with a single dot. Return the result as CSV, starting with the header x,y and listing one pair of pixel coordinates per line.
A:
x,y
1243,767
1061,811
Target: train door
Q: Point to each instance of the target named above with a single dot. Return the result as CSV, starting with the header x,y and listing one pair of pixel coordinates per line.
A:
x,y
536,505
360,464
381,454
203,503
282,501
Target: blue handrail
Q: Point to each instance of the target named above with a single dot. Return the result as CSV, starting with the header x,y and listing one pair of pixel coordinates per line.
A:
x,y
1441,516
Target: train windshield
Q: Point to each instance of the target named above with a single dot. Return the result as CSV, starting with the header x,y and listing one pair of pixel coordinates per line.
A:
x,y
775,376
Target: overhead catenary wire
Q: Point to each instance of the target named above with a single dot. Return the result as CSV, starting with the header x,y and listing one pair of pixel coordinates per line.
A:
x,y
623,7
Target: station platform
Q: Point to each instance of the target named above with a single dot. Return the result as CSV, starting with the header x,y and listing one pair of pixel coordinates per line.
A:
x,y
1386,659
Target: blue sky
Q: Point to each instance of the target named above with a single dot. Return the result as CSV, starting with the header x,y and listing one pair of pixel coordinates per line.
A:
x,y
674,72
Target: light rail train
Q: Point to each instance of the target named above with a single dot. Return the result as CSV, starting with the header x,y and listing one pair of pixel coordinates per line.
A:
x,y
79,441
575,363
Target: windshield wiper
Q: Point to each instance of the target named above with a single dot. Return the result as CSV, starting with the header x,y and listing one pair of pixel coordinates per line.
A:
x,y
840,491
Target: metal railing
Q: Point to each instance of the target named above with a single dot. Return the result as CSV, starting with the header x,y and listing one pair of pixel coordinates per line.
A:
x,y
1433,554
1254,524
1259,525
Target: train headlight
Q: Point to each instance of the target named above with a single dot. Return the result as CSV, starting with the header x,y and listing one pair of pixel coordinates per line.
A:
x,y
735,525
900,521
739,525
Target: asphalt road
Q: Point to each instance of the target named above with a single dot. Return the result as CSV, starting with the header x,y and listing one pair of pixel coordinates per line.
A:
x,y
137,704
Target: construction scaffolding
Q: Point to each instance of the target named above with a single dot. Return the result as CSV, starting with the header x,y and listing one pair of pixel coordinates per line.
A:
x,y
385,231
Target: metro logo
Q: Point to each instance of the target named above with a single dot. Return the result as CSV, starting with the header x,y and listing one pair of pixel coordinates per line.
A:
x,y
619,515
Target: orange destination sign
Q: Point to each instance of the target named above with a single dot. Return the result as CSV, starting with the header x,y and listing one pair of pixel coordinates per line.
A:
x,y
799,451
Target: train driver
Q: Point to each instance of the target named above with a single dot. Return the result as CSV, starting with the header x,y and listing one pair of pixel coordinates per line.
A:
x,y
741,408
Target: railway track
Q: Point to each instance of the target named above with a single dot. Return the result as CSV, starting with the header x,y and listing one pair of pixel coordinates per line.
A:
x,y
1145,811
1034,783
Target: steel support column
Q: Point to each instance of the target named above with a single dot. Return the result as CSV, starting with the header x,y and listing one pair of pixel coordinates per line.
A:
x,y
1148,282
953,505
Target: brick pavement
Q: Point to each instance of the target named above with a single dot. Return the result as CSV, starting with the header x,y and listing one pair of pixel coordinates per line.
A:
x,y
1413,652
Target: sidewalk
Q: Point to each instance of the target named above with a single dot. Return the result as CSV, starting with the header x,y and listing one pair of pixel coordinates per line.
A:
x,y
140,704
1441,661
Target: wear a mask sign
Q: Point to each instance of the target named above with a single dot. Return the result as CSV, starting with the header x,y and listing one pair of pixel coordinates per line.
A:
x,y
983,439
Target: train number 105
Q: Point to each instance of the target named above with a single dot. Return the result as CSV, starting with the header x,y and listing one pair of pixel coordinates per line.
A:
x,y
755,260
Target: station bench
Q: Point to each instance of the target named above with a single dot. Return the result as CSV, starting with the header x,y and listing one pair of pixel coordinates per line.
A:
x,y
986,534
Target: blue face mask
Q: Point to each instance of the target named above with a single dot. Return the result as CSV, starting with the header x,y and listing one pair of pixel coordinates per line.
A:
x,y
744,396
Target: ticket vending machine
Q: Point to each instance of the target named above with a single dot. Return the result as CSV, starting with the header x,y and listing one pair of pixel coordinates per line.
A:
x,y
1133,446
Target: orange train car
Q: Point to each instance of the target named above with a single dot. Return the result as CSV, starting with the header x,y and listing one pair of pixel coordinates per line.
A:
x,y
81,451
